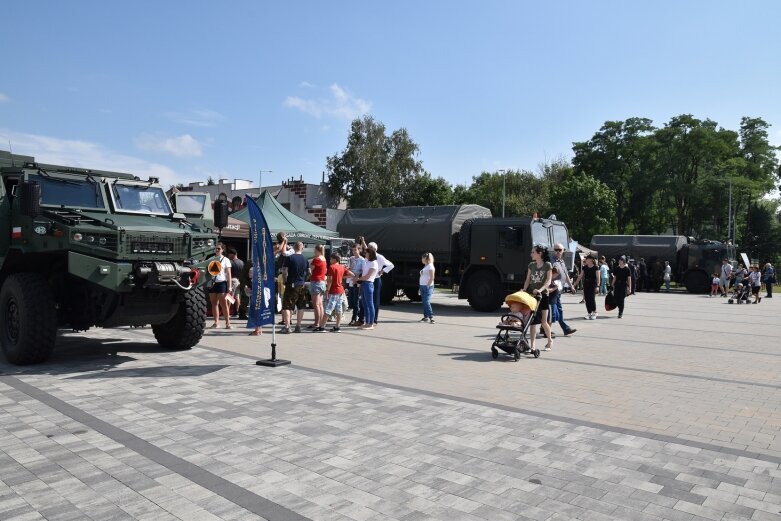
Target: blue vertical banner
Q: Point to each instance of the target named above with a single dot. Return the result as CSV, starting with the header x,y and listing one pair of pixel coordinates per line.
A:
x,y
262,302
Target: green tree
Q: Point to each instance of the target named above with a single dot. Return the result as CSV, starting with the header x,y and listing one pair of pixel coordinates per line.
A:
x,y
424,190
617,155
374,169
525,193
586,205
690,153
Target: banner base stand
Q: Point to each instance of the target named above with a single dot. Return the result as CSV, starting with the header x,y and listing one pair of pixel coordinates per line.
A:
x,y
272,363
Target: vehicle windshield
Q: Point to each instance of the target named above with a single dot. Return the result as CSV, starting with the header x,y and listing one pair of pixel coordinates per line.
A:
x,y
191,203
139,198
540,235
68,192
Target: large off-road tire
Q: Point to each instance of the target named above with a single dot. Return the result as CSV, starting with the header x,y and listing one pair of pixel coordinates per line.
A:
x,y
465,237
484,291
186,328
28,319
697,281
388,290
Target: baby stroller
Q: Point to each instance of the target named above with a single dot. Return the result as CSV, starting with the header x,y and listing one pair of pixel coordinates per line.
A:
x,y
512,338
741,294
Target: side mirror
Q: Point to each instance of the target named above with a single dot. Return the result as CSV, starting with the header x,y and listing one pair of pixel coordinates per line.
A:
x,y
220,213
30,199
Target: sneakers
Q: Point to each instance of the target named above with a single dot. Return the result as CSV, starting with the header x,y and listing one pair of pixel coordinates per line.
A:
x,y
318,330
359,323
431,321
424,319
285,330
297,329
336,329
620,315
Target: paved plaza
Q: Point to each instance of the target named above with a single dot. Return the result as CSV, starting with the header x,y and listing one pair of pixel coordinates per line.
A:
x,y
673,412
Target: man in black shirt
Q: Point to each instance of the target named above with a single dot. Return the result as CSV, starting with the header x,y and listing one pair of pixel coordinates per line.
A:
x,y
295,287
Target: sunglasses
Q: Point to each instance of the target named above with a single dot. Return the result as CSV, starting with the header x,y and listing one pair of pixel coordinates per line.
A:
x,y
558,250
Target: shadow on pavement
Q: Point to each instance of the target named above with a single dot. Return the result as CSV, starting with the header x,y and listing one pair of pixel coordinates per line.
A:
x,y
472,356
75,353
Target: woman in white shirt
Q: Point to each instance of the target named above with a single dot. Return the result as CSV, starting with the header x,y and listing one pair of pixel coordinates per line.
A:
x,y
367,277
221,288
427,286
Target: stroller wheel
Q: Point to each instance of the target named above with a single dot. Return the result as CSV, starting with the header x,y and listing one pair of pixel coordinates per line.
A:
x,y
516,354
536,353
494,353
730,301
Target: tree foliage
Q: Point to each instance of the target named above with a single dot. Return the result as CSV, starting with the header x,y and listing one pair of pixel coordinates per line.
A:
x,y
376,169
586,205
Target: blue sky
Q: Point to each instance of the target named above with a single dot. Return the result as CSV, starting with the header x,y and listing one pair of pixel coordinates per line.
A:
x,y
187,90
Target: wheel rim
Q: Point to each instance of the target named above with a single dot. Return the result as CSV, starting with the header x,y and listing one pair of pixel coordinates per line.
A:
x,y
12,321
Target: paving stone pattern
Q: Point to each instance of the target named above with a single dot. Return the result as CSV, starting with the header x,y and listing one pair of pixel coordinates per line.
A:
x,y
206,434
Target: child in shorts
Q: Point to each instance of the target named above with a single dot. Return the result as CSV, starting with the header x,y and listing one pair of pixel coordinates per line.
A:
x,y
714,285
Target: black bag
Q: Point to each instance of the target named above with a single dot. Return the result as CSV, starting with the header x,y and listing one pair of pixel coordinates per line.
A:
x,y
610,301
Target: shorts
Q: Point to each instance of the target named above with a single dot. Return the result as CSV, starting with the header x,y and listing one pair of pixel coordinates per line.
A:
x,y
755,290
544,305
714,287
219,287
335,303
317,288
295,297
724,282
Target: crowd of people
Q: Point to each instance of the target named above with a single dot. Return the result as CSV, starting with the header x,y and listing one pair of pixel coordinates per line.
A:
x,y
336,286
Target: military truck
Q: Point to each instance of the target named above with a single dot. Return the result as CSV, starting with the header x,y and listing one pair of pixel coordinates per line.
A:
x,y
692,261
82,248
485,258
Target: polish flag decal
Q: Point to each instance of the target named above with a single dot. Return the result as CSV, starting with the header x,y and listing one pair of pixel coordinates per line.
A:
x,y
16,232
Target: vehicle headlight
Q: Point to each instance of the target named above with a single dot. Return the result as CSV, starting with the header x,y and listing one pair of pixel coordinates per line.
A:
x,y
77,237
210,243
90,239
102,241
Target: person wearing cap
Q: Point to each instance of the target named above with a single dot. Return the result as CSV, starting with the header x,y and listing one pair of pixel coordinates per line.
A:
x,y
563,277
622,284
591,279
383,267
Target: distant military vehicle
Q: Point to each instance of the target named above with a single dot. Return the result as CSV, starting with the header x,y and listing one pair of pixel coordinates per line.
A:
x,y
485,257
692,261
82,248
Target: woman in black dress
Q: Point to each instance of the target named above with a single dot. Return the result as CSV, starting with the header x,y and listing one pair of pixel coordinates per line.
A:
x,y
622,284
591,279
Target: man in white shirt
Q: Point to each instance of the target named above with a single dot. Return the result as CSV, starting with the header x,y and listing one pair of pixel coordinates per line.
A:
x,y
726,273
384,267
563,277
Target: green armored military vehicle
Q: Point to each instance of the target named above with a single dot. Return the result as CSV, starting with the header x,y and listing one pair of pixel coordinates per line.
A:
x,y
82,248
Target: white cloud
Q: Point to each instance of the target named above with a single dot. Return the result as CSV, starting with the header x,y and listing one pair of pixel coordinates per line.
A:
x,y
306,85
4,98
181,146
340,104
197,117
84,154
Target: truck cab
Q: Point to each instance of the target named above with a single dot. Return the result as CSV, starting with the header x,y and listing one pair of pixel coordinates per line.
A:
x,y
82,248
499,254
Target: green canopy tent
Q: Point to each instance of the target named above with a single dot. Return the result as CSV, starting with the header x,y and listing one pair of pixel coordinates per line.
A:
x,y
279,219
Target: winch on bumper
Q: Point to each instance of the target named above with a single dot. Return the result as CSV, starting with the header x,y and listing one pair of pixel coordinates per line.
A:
x,y
124,276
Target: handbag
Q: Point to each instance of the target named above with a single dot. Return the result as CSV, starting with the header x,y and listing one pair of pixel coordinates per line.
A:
x,y
610,301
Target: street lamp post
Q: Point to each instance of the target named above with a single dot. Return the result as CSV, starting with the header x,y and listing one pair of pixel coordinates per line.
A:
x,y
729,214
504,188
260,180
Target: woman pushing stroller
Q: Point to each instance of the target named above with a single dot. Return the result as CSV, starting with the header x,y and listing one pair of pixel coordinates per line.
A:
x,y
538,278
